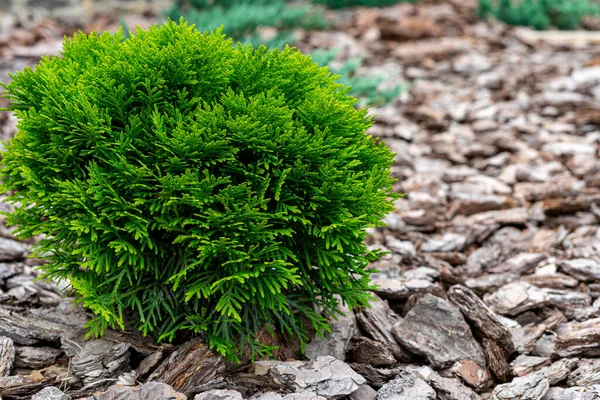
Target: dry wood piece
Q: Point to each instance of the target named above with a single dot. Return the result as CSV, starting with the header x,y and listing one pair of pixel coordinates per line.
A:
x,y
250,384
401,289
220,394
472,374
27,389
8,270
477,204
7,356
434,49
485,321
544,347
569,205
336,342
148,364
406,386
191,365
524,365
542,191
517,297
409,28
448,242
36,357
489,283
587,373
147,391
579,339
484,258
13,380
376,377
325,376
377,321
511,216
559,370
451,257
12,250
100,361
522,263
365,392
581,268
552,281
51,393
558,38
525,338
496,359
531,387
437,330
367,351
27,330
446,388
574,393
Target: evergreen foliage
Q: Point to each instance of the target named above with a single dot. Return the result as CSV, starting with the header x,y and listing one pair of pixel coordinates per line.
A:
x,y
363,3
539,14
184,184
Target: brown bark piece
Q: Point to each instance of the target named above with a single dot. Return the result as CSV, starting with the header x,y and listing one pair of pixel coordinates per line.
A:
x,y
191,365
485,321
7,356
579,339
377,321
25,329
496,359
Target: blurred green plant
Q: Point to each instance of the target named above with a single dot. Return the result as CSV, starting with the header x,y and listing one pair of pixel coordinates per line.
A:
x,y
539,14
241,19
366,87
364,3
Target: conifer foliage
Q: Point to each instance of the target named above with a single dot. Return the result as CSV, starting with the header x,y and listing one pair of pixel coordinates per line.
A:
x,y
184,184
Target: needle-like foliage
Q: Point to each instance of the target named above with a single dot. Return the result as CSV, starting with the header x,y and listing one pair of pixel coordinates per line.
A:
x,y
182,183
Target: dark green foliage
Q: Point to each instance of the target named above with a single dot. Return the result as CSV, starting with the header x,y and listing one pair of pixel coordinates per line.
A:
x,y
182,183
366,88
539,14
363,3
242,17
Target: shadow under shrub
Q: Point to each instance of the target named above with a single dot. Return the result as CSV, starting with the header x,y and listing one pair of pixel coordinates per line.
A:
x,y
195,185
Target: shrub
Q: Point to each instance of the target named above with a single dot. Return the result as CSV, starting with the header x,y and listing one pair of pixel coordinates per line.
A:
x,y
363,3
539,14
184,184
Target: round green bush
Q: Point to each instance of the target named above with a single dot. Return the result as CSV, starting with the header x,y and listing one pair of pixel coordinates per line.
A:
x,y
182,183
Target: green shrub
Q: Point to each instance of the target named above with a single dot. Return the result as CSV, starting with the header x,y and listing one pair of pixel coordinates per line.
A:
x,y
184,184
539,14
363,3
